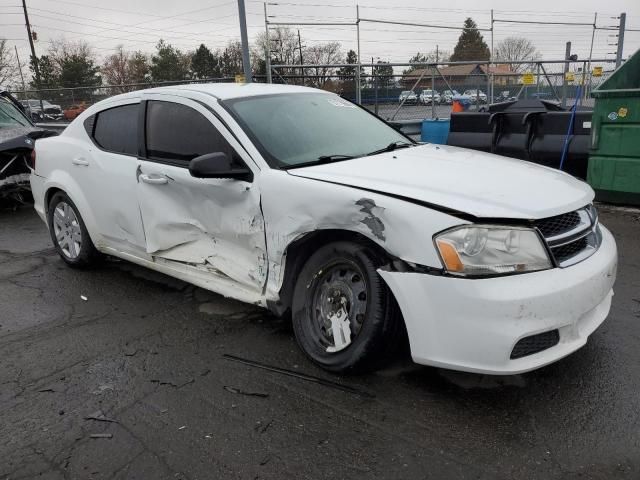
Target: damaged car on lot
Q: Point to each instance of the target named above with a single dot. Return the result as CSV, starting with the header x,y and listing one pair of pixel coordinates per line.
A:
x,y
17,137
304,203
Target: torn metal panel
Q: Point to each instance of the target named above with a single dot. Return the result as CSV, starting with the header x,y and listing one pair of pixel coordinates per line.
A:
x,y
403,229
212,224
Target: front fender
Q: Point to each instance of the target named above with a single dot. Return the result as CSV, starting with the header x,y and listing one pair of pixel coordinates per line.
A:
x,y
295,206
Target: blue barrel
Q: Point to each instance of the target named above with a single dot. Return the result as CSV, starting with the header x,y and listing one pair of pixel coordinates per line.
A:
x,y
435,131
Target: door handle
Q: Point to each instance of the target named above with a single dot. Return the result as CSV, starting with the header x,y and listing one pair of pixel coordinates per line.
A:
x,y
154,179
80,161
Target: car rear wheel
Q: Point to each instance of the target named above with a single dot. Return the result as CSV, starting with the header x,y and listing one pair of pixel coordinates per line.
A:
x,y
345,318
69,234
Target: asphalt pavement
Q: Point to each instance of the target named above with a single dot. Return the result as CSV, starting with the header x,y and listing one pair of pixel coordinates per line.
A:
x,y
122,373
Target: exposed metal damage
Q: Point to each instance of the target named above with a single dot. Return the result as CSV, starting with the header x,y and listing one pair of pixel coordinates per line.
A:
x,y
215,228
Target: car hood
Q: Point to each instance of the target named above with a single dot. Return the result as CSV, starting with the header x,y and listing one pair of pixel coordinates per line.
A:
x,y
480,184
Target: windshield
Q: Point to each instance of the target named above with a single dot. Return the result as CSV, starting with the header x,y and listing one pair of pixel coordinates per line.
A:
x,y
10,116
407,92
298,128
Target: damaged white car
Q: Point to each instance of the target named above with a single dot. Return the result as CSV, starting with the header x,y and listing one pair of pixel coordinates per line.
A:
x,y
299,201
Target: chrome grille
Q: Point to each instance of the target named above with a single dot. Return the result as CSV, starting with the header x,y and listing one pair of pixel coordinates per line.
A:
x,y
552,226
571,237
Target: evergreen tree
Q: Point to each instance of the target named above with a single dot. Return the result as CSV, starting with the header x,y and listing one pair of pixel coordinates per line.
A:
x,y
349,73
48,73
383,73
79,71
169,63
471,46
138,67
204,63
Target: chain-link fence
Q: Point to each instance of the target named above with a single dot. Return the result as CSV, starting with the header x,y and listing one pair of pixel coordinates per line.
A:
x,y
417,91
392,91
64,104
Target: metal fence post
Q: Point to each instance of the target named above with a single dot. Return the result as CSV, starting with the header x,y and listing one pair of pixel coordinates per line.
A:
x,y
267,53
375,85
489,84
567,55
359,66
433,92
623,20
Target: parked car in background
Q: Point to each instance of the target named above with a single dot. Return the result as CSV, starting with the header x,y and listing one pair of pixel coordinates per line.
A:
x,y
430,96
74,110
51,112
408,96
477,96
17,137
447,96
486,263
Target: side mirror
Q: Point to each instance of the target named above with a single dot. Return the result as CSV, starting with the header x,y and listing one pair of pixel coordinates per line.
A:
x,y
218,165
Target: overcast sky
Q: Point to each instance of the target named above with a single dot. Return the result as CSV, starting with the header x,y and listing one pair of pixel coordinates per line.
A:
x,y
138,24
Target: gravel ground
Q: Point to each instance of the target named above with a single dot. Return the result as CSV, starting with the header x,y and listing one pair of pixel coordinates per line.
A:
x,y
133,383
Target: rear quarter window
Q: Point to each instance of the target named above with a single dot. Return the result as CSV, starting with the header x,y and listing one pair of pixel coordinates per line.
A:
x,y
116,129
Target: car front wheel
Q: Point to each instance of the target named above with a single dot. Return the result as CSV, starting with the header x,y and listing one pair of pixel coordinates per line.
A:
x,y
69,234
345,318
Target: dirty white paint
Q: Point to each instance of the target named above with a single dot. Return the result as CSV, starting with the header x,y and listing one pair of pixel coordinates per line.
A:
x,y
232,236
403,229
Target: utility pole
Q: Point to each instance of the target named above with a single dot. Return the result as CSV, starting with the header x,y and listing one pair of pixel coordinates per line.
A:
x,y
267,53
246,62
437,54
623,20
34,58
24,89
301,60
567,57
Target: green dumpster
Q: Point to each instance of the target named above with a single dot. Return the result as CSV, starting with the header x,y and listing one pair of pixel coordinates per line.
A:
x,y
614,159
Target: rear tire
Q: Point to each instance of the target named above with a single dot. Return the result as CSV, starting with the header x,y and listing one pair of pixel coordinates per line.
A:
x,y
343,275
69,234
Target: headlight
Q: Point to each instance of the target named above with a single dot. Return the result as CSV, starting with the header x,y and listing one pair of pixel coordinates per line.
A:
x,y
478,250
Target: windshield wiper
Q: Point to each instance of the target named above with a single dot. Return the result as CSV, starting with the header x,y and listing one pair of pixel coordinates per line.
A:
x,y
391,147
322,159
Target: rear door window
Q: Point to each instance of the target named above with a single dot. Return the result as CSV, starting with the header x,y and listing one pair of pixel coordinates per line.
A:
x,y
176,133
116,129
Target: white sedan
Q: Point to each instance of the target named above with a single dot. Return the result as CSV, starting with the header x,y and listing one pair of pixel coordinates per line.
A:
x,y
299,201
408,97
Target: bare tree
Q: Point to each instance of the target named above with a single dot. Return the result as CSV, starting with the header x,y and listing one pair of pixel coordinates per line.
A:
x,y
325,54
517,49
122,68
115,67
9,72
284,47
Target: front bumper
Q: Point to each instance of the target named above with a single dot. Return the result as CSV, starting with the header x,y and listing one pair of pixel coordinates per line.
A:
x,y
473,325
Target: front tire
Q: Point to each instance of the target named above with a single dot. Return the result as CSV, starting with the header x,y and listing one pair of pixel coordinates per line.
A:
x,y
340,285
69,234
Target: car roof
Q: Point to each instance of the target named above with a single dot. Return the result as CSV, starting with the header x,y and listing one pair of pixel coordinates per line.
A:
x,y
225,91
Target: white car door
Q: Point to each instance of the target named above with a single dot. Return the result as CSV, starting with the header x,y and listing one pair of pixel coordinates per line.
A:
x,y
212,226
106,172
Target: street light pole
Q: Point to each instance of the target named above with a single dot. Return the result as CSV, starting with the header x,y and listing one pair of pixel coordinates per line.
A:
x,y
246,62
